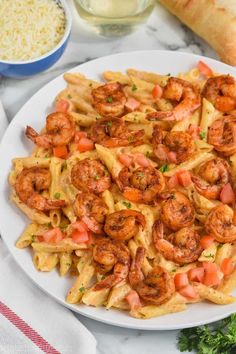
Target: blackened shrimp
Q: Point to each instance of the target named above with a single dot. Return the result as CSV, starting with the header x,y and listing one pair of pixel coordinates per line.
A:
x,y
221,223
109,99
221,92
90,176
157,287
111,255
124,224
212,176
141,185
60,130
222,135
177,211
174,147
184,94
181,247
92,210
114,132
29,183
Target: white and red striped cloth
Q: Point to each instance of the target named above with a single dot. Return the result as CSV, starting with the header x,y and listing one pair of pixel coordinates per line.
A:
x,y
30,321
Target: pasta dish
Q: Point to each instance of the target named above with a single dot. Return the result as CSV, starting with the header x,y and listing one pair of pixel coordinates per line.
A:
x,y
130,190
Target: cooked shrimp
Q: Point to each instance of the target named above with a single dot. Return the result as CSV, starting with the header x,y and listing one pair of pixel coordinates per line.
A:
x,y
221,92
186,96
124,224
181,247
222,135
142,184
29,183
60,130
114,132
175,147
109,99
221,223
90,175
92,210
177,211
213,175
110,254
157,287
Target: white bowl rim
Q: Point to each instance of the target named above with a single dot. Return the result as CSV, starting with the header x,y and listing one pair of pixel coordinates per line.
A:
x,y
68,17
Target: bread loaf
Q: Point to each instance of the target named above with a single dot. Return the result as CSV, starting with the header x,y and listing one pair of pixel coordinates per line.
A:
x,y
213,20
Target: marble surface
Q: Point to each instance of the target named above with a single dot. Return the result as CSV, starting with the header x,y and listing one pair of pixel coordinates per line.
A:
x,y
162,31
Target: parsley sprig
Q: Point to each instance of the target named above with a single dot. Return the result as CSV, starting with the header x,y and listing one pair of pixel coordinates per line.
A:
x,y
219,338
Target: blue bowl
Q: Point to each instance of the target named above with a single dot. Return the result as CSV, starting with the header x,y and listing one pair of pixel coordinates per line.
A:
x,y
22,69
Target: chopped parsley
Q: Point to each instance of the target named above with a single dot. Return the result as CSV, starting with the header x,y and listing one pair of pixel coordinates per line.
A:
x,y
82,289
209,255
90,85
164,168
33,237
110,99
69,96
57,195
49,224
173,270
148,154
97,178
109,124
127,204
140,174
131,138
219,246
134,87
64,166
202,135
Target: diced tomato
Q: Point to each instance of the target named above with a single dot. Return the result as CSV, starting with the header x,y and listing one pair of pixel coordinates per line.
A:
x,y
184,178
62,106
80,236
53,236
227,194
211,277
172,157
157,91
196,274
85,144
227,266
133,300
181,280
79,135
204,69
225,104
194,131
125,159
79,226
132,104
132,194
173,182
189,292
206,241
60,151
142,160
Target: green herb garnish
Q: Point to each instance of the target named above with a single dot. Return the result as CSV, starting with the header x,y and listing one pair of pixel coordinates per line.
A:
x,y
173,270
57,195
131,138
148,154
69,96
164,168
140,174
209,255
219,338
49,224
202,134
97,177
134,87
109,124
109,99
128,205
82,289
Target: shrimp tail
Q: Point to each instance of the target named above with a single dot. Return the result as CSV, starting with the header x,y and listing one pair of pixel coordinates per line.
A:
x,y
31,133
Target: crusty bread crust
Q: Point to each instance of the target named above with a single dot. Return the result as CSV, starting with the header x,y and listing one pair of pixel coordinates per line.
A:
x,y
213,20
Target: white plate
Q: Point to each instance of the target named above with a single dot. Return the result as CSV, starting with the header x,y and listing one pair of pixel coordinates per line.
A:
x,y
12,221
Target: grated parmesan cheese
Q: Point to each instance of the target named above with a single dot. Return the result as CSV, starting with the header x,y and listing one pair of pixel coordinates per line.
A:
x,y
29,28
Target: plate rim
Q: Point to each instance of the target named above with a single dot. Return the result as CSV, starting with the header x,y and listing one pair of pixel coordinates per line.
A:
x,y
140,323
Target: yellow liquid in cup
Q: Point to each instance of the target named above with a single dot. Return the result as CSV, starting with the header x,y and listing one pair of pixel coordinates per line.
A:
x,y
114,17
